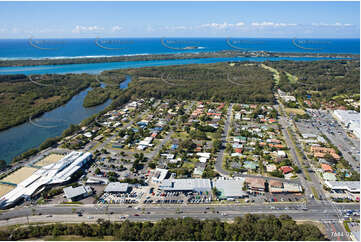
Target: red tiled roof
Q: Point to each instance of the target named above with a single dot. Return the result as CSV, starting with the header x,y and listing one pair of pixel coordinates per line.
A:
x,y
286,169
326,168
238,150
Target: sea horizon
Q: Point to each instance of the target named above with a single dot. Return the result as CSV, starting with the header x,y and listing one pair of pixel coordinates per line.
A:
x,y
97,47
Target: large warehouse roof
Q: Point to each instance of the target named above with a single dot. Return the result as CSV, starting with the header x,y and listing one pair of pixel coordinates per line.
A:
x,y
186,184
230,188
116,187
71,192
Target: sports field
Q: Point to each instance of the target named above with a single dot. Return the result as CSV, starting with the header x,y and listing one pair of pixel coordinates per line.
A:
x,y
50,159
19,175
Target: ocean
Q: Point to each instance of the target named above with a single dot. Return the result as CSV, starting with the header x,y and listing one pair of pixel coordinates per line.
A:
x,y
100,47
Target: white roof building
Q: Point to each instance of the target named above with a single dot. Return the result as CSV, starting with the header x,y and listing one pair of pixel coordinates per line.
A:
x,y
159,175
56,173
196,185
203,159
205,155
230,188
116,187
77,192
281,153
350,186
349,118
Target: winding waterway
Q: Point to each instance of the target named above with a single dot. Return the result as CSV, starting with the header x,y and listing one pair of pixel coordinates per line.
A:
x,y
21,138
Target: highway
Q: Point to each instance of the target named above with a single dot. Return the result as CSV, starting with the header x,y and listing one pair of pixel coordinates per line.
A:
x,y
91,212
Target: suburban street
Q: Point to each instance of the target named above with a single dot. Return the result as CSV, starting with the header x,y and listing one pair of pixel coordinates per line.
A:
x,y
219,161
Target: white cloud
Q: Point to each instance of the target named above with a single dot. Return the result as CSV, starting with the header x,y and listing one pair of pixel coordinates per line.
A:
x,y
337,24
181,27
271,24
117,28
86,29
224,25
150,29
239,24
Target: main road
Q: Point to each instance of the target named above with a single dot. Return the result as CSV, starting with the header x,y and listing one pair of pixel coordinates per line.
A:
x,y
91,212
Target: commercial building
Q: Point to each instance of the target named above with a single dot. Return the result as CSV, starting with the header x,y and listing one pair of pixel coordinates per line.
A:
x,y
255,184
159,175
350,188
56,173
77,193
232,188
284,187
186,185
117,187
350,119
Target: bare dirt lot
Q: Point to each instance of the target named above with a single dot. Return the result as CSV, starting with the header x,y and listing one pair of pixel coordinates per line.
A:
x,y
5,189
19,175
50,159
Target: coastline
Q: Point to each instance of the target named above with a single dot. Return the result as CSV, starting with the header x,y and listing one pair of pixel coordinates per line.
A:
x,y
149,57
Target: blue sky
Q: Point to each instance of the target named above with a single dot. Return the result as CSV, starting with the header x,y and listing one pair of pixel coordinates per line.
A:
x,y
180,19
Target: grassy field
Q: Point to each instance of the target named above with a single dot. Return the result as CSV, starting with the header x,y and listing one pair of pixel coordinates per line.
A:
x,y
50,159
5,189
295,111
293,79
276,74
19,175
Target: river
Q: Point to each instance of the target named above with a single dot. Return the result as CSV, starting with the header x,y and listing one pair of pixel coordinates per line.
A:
x,y
21,138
